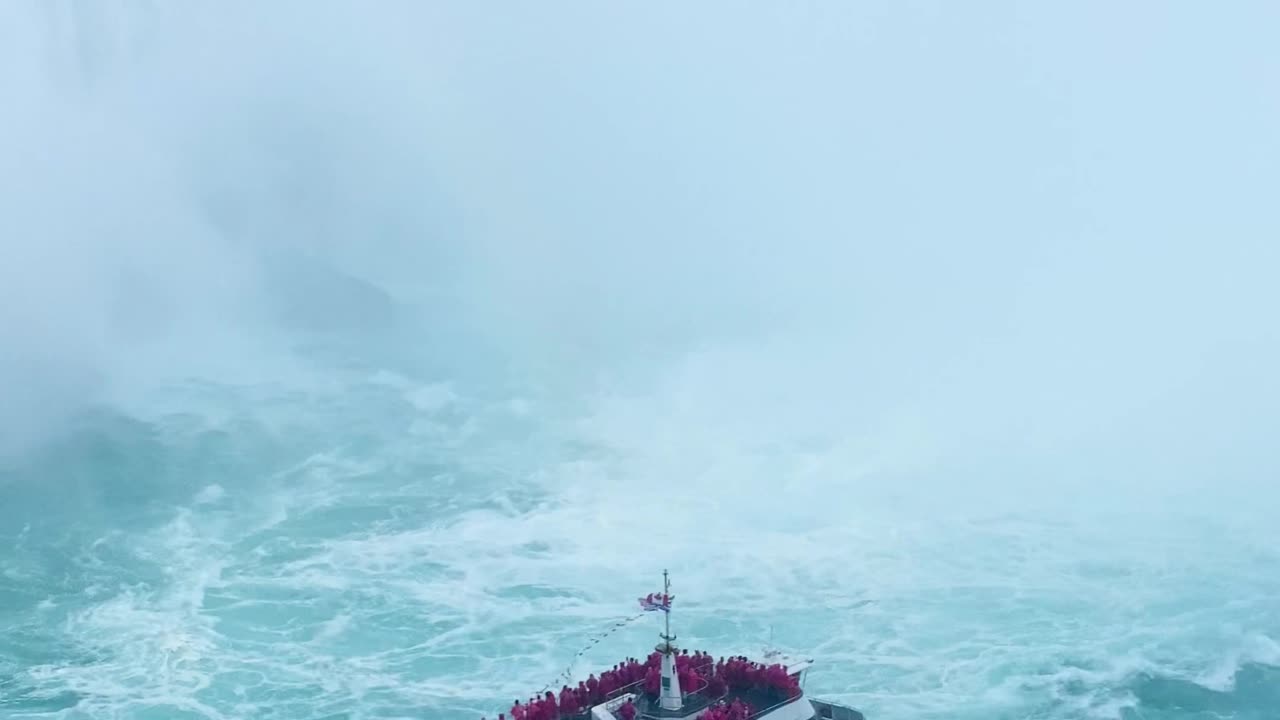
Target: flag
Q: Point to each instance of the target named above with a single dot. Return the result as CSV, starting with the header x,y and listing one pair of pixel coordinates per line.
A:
x,y
656,601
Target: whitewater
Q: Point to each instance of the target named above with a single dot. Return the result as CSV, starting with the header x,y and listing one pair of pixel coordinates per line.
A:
x,y
370,362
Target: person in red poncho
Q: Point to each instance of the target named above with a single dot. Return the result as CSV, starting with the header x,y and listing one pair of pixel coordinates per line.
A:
x,y
716,687
607,684
568,704
652,681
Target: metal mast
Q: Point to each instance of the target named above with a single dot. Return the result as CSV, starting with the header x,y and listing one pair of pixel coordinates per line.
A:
x,y
666,595
670,698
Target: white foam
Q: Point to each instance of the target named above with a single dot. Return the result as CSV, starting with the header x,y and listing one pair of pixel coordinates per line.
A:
x,y
432,398
209,495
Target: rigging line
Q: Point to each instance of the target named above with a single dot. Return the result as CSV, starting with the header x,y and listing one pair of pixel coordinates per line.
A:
x,y
567,675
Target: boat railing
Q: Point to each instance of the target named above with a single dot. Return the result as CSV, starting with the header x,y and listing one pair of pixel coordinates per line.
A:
x,y
694,700
775,706
702,685
828,710
634,687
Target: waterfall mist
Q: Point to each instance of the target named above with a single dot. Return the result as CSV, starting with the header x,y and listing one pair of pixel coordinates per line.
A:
x,y
952,225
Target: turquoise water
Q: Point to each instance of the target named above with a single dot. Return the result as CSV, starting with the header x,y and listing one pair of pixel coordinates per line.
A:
x,y
370,360
370,543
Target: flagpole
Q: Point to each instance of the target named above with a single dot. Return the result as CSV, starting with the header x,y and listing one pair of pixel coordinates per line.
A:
x,y
666,598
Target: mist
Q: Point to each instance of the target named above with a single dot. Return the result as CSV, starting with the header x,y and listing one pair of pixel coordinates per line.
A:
x,y
976,247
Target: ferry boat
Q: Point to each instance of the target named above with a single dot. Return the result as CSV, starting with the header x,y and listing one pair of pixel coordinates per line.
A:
x,y
672,684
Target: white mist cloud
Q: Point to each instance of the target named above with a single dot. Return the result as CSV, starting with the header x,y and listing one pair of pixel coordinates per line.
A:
x,y
1027,238
178,176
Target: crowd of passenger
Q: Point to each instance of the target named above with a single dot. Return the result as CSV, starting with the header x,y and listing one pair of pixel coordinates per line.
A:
x,y
734,674
736,710
697,672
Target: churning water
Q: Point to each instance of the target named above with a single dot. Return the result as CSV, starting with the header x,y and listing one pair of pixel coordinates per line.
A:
x,y
369,361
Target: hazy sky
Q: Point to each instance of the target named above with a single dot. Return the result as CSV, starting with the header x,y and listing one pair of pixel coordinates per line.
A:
x,y
1033,232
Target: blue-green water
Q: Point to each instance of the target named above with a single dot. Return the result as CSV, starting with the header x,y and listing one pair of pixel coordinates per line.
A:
x,y
384,545
370,360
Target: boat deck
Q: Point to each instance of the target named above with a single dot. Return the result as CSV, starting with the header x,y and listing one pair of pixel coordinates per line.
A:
x,y
761,701
827,710
647,709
